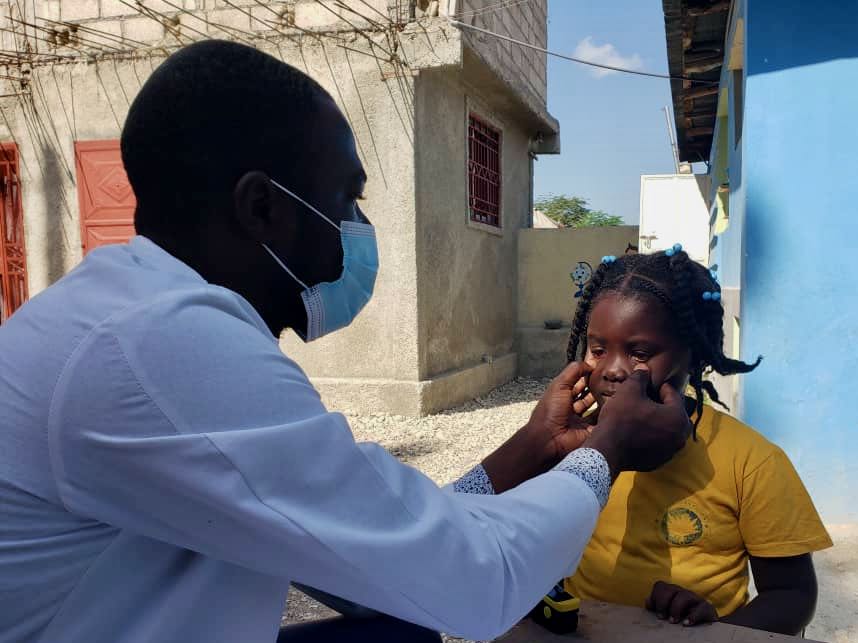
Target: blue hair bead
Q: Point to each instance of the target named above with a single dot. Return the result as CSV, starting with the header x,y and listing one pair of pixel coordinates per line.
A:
x,y
609,259
713,274
716,296
669,252
677,247
707,296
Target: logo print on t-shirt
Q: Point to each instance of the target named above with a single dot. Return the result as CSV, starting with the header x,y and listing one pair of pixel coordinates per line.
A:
x,y
681,526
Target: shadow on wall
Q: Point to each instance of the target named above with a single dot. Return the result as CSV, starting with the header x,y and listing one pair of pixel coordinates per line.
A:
x,y
555,264
826,31
56,241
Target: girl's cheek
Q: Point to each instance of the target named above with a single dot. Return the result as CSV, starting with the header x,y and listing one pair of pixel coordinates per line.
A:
x,y
676,377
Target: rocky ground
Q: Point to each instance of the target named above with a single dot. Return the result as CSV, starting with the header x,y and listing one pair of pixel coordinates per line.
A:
x,y
446,445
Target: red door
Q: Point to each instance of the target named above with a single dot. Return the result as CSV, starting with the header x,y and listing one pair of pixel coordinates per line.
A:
x,y
13,256
106,199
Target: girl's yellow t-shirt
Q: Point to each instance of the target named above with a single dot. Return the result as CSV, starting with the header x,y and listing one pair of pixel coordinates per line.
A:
x,y
695,521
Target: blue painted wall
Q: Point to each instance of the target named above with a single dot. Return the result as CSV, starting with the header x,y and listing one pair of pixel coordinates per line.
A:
x,y
798,239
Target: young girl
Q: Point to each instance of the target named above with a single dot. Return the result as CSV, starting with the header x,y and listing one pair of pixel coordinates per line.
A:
x,y
679,540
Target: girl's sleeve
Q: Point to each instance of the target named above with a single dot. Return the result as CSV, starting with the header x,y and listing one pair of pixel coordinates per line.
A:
x,y
777,517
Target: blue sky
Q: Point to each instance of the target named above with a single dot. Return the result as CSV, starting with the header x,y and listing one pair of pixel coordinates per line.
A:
x,y
612,127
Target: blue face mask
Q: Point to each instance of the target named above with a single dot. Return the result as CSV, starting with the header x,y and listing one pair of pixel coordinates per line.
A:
x,y
333,305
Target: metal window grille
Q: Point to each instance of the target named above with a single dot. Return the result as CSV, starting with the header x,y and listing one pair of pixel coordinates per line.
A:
x,y
484,172
13,258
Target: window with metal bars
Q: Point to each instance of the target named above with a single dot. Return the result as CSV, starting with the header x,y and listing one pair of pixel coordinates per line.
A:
x,y
484,172
13,257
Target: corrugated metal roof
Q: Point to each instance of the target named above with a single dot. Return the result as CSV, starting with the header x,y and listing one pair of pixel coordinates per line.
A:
x,y
696,31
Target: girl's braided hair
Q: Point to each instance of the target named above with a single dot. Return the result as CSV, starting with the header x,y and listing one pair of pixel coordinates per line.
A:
x,y
678,283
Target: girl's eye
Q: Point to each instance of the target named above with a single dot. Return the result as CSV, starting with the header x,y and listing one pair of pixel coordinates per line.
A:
x,y
597,352
638,356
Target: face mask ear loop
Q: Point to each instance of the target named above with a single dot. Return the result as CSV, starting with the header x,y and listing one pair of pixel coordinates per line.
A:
x,y
302,201
283,265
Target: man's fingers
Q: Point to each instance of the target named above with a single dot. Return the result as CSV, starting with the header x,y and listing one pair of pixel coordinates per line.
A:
x,y
580,388
570,375
580,406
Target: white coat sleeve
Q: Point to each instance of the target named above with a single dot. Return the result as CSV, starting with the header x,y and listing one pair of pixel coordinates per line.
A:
x,y
185,423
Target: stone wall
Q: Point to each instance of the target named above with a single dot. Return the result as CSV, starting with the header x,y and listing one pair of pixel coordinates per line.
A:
x,y
525,69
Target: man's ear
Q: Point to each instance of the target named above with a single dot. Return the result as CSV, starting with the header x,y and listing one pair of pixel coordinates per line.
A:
x,y
254,214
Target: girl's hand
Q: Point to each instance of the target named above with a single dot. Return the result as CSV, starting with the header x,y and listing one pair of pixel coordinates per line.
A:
x,y
680,605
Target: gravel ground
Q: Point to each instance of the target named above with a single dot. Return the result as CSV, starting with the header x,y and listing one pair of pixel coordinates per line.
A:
x,y
443,446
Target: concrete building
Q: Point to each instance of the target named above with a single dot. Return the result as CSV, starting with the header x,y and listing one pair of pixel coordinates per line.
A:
x,y
777,128
447,123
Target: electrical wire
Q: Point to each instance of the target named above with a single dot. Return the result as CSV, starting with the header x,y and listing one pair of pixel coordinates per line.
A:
x,y
151,13
498,6
97,32
73,39
38,53
581,61
358,30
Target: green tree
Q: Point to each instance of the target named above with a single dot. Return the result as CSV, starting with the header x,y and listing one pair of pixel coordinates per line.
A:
x,y
572,212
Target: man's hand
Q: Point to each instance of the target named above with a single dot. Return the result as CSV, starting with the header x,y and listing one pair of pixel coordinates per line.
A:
x,y
634,433
555,428
557,418
679,605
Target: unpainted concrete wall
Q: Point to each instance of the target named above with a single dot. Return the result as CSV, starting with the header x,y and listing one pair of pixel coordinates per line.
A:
x,y
408,122
547,257
90,101
216,18
546,291
466,274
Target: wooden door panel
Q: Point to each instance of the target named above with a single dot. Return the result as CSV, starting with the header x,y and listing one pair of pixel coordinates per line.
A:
x,y
106,199
13,254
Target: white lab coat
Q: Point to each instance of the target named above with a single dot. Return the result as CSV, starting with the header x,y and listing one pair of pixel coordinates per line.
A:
x,y
165,472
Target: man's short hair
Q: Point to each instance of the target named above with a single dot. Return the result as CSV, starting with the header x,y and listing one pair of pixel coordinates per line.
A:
x,y
207,115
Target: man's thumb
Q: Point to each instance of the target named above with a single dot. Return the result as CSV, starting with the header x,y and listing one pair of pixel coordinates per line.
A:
x,y
641,377
669,395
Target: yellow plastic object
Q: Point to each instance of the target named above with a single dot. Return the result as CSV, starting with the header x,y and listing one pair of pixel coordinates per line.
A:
x,y
557,611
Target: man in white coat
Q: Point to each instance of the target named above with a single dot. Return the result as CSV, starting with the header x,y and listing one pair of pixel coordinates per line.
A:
x,y
166,472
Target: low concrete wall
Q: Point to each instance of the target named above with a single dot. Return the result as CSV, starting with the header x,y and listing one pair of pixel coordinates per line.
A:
x,y
416,398
546,291
542,350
